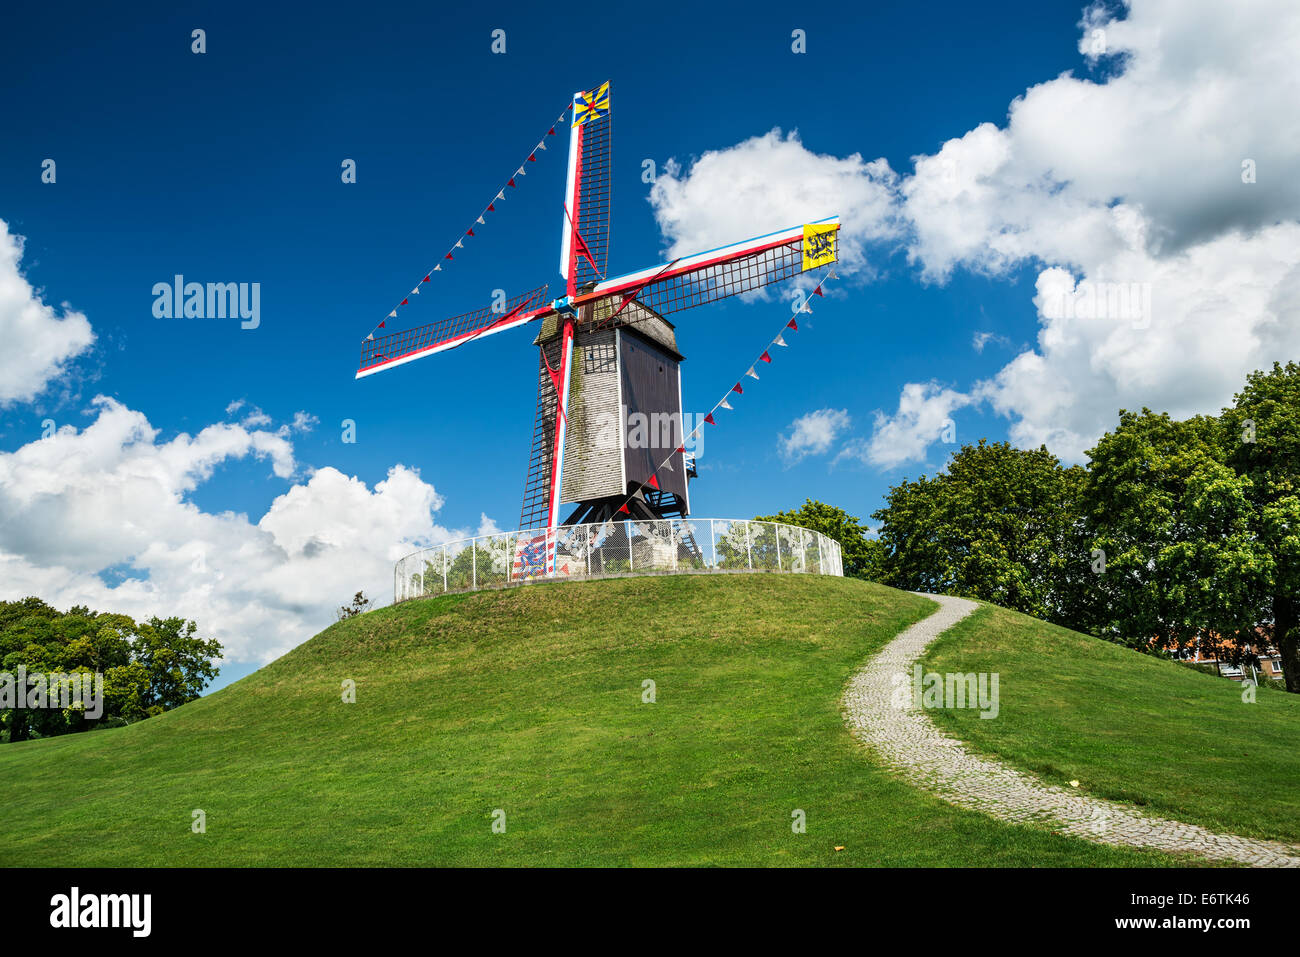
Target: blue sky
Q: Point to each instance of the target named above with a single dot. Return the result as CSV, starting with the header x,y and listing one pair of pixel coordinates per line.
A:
x,y
225,166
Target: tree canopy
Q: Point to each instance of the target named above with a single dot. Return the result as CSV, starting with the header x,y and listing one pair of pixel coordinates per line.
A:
x,y
1176,532
147,667
998,525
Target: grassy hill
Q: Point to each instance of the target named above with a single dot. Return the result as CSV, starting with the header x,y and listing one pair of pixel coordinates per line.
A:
x,y
530,701
1128,726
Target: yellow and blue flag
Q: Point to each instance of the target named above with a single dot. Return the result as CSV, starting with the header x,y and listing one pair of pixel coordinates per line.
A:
x,y
591,105
818,245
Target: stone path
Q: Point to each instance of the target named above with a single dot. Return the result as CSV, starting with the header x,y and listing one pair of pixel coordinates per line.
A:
x,y
911,744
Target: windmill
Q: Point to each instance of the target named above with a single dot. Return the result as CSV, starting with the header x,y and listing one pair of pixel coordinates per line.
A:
x,y
608,356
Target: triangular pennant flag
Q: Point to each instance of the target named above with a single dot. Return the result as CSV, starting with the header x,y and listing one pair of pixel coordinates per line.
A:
x,y
805,307
817,291
765,357
520,172
725,404
415,291
792,325
737,389
403,302
669,465
653,482
459,245
625,510
501,194
491,208
480,219
438,268
532,157
709,419
542,145
391,315
372,335
512,182
751,373
832,275
470,231
778,341
552,132
425,279
448,256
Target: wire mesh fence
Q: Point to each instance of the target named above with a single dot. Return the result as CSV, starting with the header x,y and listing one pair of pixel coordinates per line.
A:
x,y
621,547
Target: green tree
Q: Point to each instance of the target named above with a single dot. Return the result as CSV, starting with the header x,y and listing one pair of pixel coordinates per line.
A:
x,y
147,668
1261,437
860,555
1000,524
1199,521
1171,524
178,663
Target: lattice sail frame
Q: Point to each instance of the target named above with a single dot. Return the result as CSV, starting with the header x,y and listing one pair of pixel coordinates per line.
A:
x,y
398,347
584,233
592,222
537,483
685,287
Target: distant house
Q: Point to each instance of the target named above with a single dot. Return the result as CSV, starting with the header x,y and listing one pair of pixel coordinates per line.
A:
x,y
1270,662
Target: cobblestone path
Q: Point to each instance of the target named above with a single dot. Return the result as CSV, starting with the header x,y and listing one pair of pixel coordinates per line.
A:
x,y
911,744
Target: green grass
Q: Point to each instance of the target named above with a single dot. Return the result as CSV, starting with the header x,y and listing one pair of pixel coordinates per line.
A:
x,y
1129,726
527,700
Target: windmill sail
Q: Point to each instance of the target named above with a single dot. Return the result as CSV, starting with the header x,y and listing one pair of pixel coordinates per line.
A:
x,y
727,271
383,352
537,484
584,235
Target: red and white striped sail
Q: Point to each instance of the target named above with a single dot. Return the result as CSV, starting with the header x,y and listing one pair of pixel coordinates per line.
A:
x,y
398,348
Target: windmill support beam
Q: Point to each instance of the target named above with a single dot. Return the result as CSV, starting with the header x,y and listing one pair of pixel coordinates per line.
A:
x,y
561,422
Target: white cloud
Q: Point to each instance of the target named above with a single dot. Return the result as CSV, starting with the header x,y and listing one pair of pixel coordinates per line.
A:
x,y
38,343
1134,180
255,419
1201,87
924,412
813,434
303,422
111,502
767,183
982,339
1217,311
1135,183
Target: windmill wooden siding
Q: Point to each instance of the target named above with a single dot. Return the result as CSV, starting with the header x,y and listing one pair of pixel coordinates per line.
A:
x,y
593,464
630,367
652,387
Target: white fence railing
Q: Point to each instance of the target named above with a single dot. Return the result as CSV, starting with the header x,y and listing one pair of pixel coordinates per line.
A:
x,y
615,548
